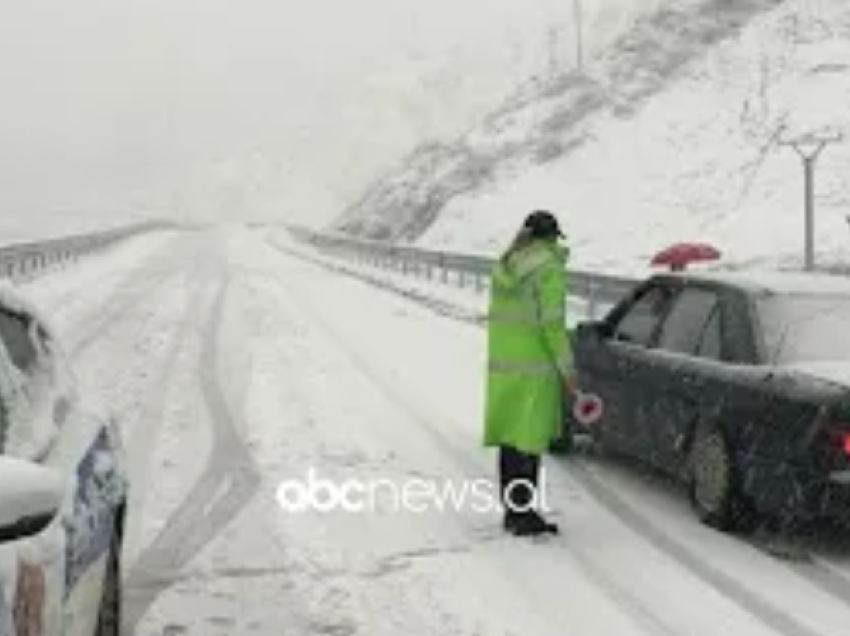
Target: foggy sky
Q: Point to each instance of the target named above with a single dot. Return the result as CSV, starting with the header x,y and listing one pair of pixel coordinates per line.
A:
x,y
243,108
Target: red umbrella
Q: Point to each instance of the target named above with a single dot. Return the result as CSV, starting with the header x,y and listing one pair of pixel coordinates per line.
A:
x,y
678,256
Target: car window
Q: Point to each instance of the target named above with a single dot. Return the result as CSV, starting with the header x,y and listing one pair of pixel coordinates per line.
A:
x,y
639,323
711,343
683,328
805,327
740,335
14,330
21,352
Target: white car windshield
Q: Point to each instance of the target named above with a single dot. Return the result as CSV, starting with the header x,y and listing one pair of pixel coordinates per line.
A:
x,y
805,328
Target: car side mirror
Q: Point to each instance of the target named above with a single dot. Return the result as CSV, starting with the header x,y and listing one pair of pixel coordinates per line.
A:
x,y
31,496
596,329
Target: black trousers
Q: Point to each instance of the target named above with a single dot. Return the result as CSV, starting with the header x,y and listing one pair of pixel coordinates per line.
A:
x,y
518,480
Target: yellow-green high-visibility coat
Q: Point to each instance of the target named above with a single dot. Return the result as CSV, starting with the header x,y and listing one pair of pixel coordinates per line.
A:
x,y
528,348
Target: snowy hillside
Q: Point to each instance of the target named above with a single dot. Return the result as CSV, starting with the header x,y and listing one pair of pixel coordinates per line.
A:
x,y
670,135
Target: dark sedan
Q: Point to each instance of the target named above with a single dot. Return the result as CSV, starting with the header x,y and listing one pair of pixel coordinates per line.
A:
x,y
737,384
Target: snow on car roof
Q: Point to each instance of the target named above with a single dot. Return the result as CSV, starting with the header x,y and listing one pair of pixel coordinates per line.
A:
x,y
13,299
778,282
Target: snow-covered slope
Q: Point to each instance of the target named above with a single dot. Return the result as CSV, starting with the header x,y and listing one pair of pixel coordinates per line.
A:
x,y
670,135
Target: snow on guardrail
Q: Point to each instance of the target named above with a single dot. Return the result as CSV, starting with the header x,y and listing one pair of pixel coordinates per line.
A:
x,y
599,291
24,261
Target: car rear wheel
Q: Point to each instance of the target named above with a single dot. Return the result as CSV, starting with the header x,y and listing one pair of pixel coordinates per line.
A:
x,y
714,487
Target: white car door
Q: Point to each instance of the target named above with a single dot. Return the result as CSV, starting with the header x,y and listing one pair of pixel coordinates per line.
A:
x,y
53,579
32,548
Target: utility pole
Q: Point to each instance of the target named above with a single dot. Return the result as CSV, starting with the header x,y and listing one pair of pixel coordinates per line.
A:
x,y
809,159
578,20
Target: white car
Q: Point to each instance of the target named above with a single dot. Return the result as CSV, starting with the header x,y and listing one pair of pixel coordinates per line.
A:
x,y
62,490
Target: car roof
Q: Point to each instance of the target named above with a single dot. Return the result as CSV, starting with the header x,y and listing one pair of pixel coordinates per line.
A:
x,y
771,282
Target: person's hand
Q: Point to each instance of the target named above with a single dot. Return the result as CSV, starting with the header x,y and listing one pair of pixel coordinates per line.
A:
x,y
571,382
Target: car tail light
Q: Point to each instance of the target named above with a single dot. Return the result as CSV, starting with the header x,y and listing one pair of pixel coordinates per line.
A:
x,y
838,437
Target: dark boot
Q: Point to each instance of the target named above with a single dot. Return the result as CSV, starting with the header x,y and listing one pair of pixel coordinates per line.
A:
x,y
511,522
531,522
512,493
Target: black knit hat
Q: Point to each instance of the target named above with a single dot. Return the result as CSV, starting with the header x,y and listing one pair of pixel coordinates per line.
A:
x,y
543,225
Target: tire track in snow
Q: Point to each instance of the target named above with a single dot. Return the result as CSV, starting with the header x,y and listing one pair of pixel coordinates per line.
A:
x,y
59,304
315,577
824,578
778,619
645,617
139,284
820,576
774,617
649,623
142,284
225,487
142,431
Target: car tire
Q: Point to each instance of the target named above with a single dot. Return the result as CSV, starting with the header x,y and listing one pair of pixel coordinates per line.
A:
x,y
109,615
713,483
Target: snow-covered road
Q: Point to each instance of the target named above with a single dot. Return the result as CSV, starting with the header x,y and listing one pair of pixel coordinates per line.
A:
x,y
236,365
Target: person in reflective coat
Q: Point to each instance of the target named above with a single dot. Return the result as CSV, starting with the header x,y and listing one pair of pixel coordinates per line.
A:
x,y
529,366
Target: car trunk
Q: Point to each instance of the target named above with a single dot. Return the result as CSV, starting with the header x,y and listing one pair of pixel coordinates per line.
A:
x,y
831,428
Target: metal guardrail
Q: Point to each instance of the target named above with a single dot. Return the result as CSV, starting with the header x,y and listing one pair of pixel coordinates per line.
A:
x,y
461,269
24,261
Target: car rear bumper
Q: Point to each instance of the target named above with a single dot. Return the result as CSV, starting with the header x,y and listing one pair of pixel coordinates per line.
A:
x,y
840,478
801,492
834,500
826,497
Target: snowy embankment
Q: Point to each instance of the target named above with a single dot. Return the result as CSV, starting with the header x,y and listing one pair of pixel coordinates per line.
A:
x,y
357,383
670,135
700,160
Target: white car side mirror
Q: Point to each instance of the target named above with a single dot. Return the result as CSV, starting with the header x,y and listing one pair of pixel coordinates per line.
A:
x,y
31,496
